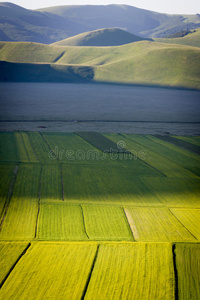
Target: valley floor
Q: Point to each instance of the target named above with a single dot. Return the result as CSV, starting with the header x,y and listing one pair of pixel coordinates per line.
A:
x,y
99,216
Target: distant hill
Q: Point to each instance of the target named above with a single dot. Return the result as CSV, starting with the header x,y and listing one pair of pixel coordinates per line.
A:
x,y
143,62
191,39
132,19
101,37
49,25
20,24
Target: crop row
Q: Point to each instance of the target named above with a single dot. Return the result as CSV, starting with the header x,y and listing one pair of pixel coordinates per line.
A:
x,y
108,270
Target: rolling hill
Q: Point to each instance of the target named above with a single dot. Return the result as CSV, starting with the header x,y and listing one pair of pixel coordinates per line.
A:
x,y
144,62
191,39
101,37
49,25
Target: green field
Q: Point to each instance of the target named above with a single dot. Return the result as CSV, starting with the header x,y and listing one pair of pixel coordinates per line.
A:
x,y
6,175
156,224
52,274
103,226
51,183
9,253
20,217
133,271
190,219
61,222
188,269
114,226
109,184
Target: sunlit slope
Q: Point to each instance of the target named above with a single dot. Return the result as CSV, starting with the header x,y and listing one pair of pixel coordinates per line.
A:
x,y
157,65
101,37
142,62
25,52
191,39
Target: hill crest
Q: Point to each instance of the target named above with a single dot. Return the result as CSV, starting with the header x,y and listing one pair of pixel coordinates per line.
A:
x,y
53,24
101,37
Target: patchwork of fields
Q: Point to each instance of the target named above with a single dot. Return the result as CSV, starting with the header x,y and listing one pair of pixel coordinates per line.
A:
x,y
99,216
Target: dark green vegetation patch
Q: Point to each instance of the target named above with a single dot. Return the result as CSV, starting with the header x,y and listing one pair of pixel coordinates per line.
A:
x,y
102,143
180,143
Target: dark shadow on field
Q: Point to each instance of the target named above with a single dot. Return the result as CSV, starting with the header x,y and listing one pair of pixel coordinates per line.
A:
x,y
101,184
113,184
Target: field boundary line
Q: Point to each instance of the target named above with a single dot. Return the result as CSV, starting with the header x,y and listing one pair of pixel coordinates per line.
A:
x,y
62,182
49,145
132,225
183,224
90,274
176,296
14,265
38,212
126,216
9,196
84,222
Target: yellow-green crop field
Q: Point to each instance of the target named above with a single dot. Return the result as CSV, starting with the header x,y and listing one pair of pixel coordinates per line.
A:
x,y
99,216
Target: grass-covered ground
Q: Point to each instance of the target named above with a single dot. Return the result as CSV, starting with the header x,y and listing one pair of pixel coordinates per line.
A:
x,y
191,39
83,221
143,62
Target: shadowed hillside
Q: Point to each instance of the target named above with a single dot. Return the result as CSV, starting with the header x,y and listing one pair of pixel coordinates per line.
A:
x,y
49,25
20,24
132,19
26,72
101,37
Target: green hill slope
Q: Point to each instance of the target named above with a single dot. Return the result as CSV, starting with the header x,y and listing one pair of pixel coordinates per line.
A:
x,y
101,37
191,39
143,62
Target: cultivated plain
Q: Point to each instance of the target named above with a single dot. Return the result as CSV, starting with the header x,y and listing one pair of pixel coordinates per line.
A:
x,y
96,221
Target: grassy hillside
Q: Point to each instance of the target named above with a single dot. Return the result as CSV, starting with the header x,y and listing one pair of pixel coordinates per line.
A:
x,y
191,39
141,62
101,37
